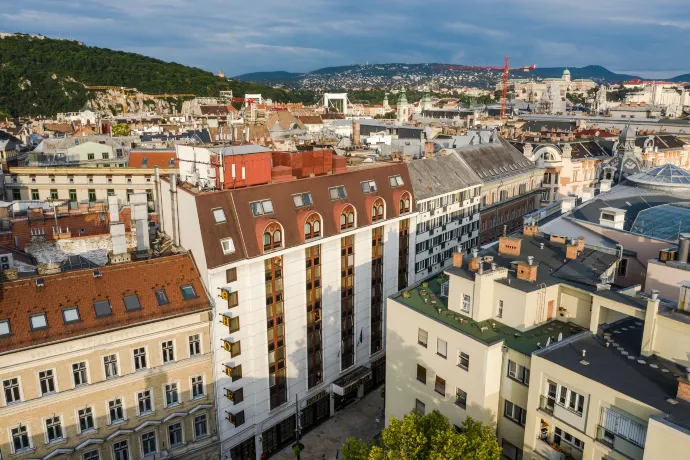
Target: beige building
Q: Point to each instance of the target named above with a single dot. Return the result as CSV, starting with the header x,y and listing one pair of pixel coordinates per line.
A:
x,y
109,363
81,184
475,341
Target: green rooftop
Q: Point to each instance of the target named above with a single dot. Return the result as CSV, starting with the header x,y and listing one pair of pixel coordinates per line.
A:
x,y
425,297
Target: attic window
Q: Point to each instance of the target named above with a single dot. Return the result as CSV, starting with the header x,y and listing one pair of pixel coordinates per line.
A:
x,y
70,314
368,186
259,208
188,292
395,181
5,328
338,192
161,297
144,162
132,302
227,245
302,199
38,321
219,215
102,308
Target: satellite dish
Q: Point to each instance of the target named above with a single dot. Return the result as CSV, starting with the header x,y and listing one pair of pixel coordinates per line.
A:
x,y
560,336
548,342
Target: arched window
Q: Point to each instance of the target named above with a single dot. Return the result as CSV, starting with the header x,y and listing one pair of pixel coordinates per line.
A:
x,y
273,237
312,227
377,210
405,203
347,218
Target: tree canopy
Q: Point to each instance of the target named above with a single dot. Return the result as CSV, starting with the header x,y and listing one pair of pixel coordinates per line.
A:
x,y
428,437
121,130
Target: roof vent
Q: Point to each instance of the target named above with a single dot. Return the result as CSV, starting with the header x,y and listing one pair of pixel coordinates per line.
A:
x,y
584,353
40,283
530,260
541,245
97,273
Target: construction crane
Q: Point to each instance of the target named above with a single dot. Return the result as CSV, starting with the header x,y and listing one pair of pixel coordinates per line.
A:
x,y
122,90
505,69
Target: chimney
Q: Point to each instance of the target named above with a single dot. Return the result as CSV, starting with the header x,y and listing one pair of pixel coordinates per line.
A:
x,y
530,229
505,230
527,271
119,240
510,246
684,296
458,259
138,203
571,251
356,139
683,247
580,243
173,211
113,208
684,386
475,262
157,185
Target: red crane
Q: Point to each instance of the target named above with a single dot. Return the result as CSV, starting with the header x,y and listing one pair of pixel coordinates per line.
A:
x,y
505,69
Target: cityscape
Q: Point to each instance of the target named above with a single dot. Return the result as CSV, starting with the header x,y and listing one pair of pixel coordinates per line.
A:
x,y
460,258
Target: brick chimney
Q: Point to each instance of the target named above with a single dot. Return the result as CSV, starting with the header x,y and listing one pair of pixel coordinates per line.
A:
x,y
356,139
507,245
458,258
530,230
580,243
572,250
684,387
475,262
527,271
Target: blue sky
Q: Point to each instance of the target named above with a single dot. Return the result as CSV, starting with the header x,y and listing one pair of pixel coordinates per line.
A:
x,y
649,38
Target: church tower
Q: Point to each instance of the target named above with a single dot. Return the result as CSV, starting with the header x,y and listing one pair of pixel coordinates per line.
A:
x,y
386,105
403,107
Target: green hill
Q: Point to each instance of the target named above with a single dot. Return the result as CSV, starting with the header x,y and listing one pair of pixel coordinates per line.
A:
x,y
42,76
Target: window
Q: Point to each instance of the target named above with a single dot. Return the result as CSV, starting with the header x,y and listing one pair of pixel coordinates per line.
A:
x,y
347,218
5,328
233,300
421,373
337,193
302,199
128,193
168,352
499,313
47,382
11,387
53,194
161,297
259,208
102,308
518,372
20,439
115,411
272,237
171,396
175,434
139,359
466,303
312,227
85,419
148,443
368,186
144,402
128,179
440,386
194,345
110,366
188,292
419,407
395,181
405,203
377,210
93,455
120,451
441,348
576,402
460,398
219,215
110,192
197,387
623,267
511,452
16,194
514,413
200,426
463,360
230,275
70,314
38,321
560,436
79,374
422,337
228,245
90,156
53,429
92,194
132,302
34,194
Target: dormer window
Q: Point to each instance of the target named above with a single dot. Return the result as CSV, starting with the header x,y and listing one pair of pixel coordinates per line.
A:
x,y
5,328
347,218
395,181
312,227
377,210
219,215
259,208
273,237
368,186
405,203
338,193
302,199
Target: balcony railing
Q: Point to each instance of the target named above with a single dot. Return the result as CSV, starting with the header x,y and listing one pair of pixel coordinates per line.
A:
x,y
619,443
546,450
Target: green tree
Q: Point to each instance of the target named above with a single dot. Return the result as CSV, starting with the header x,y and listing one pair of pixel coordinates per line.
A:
x,y
121,130
428,437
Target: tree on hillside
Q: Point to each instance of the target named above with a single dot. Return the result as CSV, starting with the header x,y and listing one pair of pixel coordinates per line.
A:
x,y
427,437
121,130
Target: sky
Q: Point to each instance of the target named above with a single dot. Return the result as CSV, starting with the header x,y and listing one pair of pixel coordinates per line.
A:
x,y
646,38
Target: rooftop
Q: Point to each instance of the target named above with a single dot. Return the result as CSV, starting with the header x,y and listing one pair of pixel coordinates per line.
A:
x,y
439,175
650,380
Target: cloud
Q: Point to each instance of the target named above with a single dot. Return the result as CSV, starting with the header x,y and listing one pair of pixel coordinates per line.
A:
x,y
286,49
465,28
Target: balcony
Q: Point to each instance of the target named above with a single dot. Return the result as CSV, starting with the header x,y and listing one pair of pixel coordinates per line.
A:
x,y
546,404
546,450
620,443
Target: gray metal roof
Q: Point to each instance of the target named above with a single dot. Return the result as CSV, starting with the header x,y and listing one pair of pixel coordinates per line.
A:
x,y
240,149
440,175
493,162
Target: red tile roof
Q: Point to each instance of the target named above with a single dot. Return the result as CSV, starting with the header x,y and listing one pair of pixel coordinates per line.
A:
x,y
22,298
154,158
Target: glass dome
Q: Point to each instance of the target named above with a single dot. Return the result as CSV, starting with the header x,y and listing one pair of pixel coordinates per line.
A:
x,y
665,221
667,175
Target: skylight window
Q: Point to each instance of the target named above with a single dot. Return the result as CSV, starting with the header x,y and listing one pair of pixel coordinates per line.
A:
x,y
188,291
38,321
302,199
368,186
102,308
338,192
161,297
171,163
219,215
70,314
259,208
144,162
132,302
5,327
228,245
395,181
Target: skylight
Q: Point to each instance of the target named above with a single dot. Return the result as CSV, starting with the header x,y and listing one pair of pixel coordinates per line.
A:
x,y
70,314
395,181
5,327
259,208
102,308
219,215
338,192
38,321
368,186
132,302
302,199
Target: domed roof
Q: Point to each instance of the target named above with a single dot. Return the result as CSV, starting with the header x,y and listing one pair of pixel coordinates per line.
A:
x,y
666,176
566,72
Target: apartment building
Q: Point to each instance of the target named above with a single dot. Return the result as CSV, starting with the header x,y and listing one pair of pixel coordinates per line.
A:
x,y
298,270
108,363
510,186
93,151
78,185
447,193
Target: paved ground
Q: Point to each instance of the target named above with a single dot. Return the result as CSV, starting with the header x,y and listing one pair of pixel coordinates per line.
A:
x,y
358,420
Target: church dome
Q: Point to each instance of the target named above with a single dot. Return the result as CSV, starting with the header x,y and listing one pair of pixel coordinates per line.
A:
x,y
566,72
